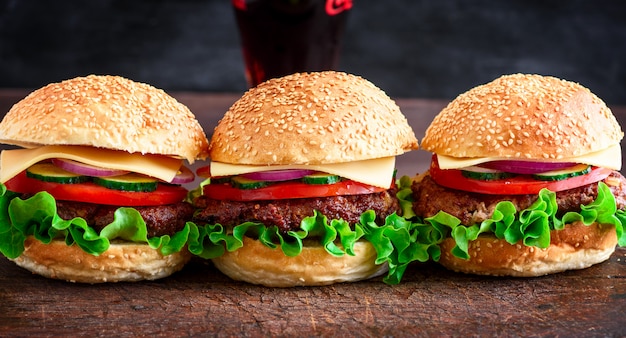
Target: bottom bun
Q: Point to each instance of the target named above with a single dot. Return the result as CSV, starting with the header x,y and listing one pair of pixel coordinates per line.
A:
x,y
257,264
122,262
577,246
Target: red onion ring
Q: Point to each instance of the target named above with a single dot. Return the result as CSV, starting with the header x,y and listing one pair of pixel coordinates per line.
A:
x,y
184,175
526,167
86,169
278,175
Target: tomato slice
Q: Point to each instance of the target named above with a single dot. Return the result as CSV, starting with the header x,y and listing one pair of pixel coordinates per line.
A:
x,y
517,185
288,190
204,171
93,193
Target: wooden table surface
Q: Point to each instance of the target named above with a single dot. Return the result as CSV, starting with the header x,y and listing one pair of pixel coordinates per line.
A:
x,y
431,301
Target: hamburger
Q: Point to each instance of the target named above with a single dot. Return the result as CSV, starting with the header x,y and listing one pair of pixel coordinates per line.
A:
x,y
94,192
524,179
301,188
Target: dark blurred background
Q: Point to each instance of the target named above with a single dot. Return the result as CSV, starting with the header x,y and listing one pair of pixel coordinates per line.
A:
x,y
409,48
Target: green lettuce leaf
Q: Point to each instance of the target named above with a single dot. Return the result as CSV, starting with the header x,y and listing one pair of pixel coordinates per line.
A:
x,y
37,216
197,192
397,242
210,241
532,226
405,196
11,240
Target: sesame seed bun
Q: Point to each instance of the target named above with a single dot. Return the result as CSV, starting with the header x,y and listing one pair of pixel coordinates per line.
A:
x,y
523,116
122,262
577,246
311,118
107,112
257,264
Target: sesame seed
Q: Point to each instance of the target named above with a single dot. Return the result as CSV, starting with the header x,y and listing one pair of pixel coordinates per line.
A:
x,y
108,111
316,111
528,114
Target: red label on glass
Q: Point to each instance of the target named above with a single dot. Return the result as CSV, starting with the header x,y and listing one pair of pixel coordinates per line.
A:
x,y
334,7
239,4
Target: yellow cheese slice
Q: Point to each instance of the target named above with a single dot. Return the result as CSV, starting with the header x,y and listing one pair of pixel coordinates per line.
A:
x,y
12,162
608,158
376,172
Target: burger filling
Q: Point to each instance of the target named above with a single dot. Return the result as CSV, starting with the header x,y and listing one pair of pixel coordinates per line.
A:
x,y
283,198
284,208
287,214
473,208
160,220
90,205
517,201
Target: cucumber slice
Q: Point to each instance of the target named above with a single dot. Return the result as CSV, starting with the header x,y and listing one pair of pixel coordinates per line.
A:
x,y
246,183
321,178
558,175
129,182
48,172
485,174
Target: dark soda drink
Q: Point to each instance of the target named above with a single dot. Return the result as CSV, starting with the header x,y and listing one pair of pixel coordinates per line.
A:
x,y
281,37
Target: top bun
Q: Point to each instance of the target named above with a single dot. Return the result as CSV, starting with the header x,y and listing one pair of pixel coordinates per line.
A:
x,y
107,112
311,118
523,116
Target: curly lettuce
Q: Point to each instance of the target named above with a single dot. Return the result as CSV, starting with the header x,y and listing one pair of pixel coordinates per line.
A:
x,y
532,225
397,242
37,216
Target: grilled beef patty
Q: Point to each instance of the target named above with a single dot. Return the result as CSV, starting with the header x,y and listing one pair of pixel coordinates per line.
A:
x,y
472,208
160,220
287,214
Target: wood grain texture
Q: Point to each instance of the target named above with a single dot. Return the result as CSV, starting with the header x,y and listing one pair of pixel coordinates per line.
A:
x,y
430,301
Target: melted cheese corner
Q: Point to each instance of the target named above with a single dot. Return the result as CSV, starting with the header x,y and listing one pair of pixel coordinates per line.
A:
x,y
12,162
608,158
376,172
